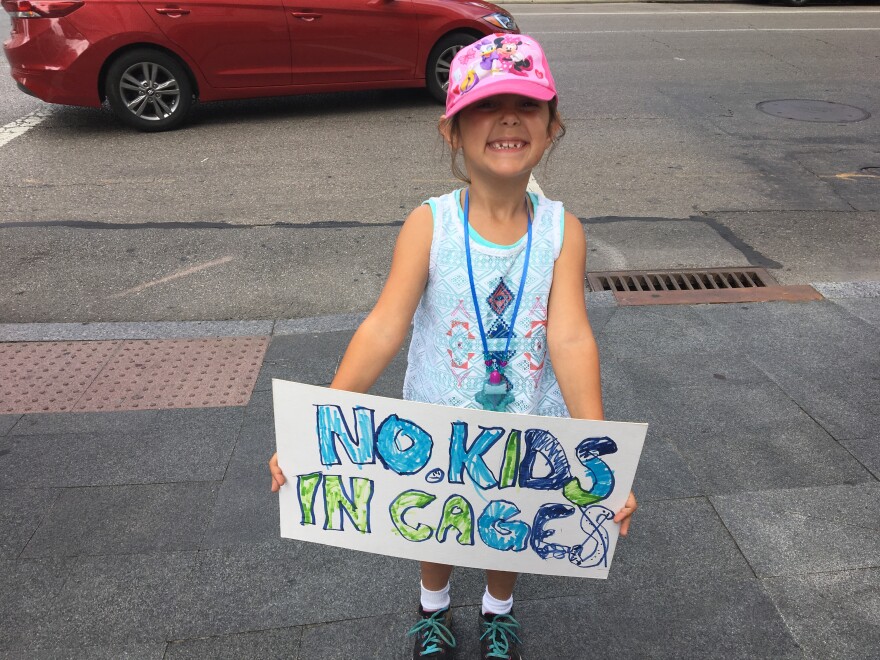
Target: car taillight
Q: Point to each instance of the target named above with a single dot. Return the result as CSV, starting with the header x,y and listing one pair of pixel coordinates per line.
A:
x,y
41,8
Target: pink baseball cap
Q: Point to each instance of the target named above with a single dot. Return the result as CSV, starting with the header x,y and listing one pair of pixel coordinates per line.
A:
x,y
498,64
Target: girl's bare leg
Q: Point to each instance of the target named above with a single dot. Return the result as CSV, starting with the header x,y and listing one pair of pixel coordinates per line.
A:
x,y
500,584
435,576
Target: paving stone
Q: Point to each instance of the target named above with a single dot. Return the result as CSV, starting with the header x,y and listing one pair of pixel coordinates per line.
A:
x,y
368,638
637,332
681,617
667,541
226,421
866,451
38,461
663,473
7,422
291,372
28,590
137,652
748,437
819,356
281,644
92,422
312,352
125,519
788,532
125,600
651,372
290,584
21,512
831,615
866,309
179,445
599,317
246,512
317,361
256,441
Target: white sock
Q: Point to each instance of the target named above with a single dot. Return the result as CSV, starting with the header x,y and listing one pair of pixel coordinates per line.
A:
x,y
492,605
434,601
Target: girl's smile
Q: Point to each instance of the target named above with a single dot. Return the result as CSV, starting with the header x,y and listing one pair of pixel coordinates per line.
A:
x,y
507,145
504,135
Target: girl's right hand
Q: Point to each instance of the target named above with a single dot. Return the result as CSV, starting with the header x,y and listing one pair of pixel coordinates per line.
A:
x,y
277,475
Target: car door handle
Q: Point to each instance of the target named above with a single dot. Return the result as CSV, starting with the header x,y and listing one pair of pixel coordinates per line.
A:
x,y
173,12
305,15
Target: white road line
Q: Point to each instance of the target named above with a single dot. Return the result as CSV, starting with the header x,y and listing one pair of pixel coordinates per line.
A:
x,y
698,13
22,125
684,31
173,276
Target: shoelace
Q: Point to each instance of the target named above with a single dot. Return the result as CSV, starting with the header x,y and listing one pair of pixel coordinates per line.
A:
x,y
436,633
499,631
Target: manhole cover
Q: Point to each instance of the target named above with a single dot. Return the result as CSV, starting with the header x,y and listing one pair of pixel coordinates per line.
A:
x,y
808,110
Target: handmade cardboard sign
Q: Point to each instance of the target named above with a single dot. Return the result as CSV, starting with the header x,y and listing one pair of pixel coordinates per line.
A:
x,y
452,485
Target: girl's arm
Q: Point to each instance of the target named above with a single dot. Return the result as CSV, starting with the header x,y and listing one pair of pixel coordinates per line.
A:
x,y
573,350
380,336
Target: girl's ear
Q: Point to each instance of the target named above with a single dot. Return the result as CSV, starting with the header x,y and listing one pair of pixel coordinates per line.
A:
x,y
445,128
553,130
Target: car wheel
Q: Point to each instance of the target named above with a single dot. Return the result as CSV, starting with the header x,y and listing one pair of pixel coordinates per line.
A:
x,y
439,61
149,90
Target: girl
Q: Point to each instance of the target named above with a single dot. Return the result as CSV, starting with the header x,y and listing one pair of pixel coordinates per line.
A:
x,y
495,279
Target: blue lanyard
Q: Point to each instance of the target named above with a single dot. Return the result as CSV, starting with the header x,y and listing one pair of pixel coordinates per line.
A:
x,y
522,281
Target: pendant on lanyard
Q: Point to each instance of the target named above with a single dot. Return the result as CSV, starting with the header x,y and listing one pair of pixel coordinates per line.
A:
x,y
495,394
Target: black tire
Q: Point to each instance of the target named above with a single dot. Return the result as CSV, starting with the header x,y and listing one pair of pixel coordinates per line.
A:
x,y
437,69
149,90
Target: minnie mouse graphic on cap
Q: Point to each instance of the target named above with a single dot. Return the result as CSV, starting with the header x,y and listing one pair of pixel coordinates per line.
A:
x,y
498,64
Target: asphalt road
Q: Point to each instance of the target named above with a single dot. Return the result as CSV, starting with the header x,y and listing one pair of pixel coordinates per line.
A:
x,y
288,208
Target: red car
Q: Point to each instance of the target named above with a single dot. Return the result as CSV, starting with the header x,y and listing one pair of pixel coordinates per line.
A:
x,y
151,59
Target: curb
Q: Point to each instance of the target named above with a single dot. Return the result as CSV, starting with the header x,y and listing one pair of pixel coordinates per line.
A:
x,y
32,332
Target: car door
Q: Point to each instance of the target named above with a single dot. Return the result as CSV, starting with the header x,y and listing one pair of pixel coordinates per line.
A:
x,y
350,41
236,43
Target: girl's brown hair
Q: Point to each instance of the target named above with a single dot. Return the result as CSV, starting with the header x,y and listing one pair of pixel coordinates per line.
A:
x,y
454,131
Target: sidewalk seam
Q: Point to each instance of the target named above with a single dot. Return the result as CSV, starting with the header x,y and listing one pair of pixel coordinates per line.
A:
x,y
97,374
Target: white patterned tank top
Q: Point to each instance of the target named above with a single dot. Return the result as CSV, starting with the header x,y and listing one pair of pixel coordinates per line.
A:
x,y
446,364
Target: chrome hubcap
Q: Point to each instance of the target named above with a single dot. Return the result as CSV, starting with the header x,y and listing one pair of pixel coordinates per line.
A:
x,y
444,62
149,91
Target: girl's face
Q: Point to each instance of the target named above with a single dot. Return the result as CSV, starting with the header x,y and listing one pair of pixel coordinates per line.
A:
x,y
503,136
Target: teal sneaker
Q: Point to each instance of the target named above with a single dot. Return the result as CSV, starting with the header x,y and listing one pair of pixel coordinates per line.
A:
x,y
500,639
433,633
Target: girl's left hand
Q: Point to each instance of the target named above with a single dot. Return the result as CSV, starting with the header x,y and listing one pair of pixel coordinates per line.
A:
x,y
623,516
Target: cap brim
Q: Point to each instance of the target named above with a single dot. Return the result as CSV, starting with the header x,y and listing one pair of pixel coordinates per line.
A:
x,y
489,88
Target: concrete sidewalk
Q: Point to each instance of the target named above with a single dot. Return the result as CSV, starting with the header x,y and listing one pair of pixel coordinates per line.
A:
x,y
151,533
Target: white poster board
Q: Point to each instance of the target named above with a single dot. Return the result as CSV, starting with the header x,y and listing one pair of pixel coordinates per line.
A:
x,y
452,485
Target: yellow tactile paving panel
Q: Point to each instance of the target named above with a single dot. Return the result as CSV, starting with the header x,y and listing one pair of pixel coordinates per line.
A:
x,y
109,376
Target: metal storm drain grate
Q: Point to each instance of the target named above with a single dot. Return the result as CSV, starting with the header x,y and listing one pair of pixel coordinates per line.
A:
x,y
93,376
696,286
